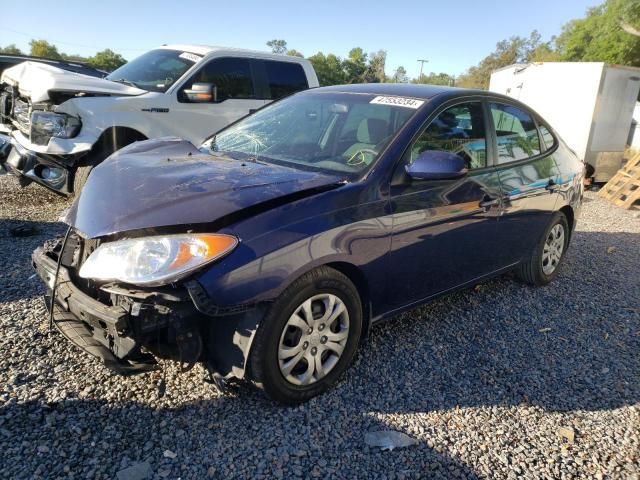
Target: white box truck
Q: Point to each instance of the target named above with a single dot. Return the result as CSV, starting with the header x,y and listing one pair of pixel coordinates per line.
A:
x,y
590,104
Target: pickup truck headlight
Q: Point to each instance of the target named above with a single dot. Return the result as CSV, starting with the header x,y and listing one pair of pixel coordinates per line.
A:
x,y
157,260
45,125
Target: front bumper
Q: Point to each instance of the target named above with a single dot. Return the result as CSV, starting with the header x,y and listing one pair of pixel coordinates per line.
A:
x,y
140,326
49,171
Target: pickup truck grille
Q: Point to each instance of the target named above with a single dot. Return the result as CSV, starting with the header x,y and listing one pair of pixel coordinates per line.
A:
x,y
22,115
6,105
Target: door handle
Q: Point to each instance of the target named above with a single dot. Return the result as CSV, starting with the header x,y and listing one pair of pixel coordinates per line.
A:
x,y
488,201
551,186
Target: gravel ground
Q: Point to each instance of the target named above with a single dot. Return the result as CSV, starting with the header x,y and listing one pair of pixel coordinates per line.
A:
x,y
486,380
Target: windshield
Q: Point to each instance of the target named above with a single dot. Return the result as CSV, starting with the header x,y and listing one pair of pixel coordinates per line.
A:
x,y
155,71
338,132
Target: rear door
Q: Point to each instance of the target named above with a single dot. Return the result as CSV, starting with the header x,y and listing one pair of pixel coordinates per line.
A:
x,y
276,79
528,176
445,231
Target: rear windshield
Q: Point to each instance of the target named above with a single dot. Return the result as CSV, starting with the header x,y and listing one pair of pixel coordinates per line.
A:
x,y
156,70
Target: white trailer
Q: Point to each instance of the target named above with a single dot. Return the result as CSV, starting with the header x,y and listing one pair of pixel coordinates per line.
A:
x,y
590,104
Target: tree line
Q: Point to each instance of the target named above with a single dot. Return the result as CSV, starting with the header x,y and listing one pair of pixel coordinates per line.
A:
x,y
607,33
107,59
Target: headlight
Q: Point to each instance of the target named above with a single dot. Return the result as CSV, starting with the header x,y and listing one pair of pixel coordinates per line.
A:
x,y
45,125
155,260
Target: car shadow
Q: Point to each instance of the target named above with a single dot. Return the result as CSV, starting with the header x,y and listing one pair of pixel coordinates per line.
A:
x,y
567,347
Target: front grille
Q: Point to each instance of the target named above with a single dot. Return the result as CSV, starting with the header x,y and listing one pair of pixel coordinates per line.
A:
x,y
6,104
22,115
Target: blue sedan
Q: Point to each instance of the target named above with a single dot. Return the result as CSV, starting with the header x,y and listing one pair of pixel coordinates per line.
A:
x,y
268,252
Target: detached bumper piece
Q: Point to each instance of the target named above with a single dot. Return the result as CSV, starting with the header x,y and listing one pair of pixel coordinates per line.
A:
x,y
126,329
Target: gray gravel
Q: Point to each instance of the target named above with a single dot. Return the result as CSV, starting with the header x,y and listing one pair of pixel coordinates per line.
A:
x,y
486,380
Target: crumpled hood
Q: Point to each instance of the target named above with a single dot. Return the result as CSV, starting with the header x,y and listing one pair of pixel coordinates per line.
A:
x,y
35,80
167,181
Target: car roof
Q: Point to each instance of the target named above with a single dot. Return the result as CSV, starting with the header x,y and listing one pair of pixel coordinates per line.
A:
x,y
401,89
205,50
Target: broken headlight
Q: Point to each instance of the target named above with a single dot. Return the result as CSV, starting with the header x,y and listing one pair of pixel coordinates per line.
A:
x,y
45,125
156,260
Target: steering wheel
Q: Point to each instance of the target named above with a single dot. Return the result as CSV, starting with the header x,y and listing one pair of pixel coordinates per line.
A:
x,y
354,161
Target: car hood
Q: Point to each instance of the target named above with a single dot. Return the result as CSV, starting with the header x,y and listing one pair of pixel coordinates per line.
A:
x,y
168,181
36,80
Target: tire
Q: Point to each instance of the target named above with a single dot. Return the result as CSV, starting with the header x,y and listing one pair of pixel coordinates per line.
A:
x,y
280,330
80,178
542,266
102,150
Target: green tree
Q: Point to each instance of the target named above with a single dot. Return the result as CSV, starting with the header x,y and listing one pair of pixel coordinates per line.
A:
x,y
74,57
277,46
400,75
507,52
106,60
329,69
42,48
630,20
355,65
436,79
294,53
11,50
374,72
599,37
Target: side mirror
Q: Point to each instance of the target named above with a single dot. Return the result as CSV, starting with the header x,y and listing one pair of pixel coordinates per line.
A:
x,y
436,165
202,93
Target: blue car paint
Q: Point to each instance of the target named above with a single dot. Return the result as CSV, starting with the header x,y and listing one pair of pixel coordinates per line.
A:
x,y
401,245
165,182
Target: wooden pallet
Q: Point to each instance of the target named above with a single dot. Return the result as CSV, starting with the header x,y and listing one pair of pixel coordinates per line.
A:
x,y
623,190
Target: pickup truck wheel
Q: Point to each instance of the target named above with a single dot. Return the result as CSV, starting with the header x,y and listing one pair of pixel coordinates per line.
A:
x,y
308,338
80,178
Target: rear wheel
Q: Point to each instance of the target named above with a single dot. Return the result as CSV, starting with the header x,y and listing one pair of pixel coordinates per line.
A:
x,y
308,338
543,264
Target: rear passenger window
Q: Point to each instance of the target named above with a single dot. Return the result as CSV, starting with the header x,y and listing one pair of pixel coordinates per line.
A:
x,y
516,132
285,78
459,130
547,137
231,76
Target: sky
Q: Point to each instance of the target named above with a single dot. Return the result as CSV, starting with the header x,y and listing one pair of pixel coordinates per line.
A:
x,y
451,35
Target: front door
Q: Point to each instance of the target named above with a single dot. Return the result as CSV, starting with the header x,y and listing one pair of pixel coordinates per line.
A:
x,y
237,96
444,231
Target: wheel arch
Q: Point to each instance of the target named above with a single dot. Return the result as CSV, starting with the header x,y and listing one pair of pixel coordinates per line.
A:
x,y
110,140
568,212
357,277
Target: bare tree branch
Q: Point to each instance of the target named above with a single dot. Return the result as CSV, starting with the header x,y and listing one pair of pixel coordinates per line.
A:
x,y
629,29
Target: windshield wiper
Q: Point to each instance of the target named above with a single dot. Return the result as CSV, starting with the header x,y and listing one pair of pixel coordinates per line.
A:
x,y
125,82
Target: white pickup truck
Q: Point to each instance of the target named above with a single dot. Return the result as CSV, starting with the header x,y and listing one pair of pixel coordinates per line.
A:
x,y
57,125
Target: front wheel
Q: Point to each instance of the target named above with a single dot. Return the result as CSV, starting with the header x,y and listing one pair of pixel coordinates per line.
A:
x,y
543,264
308,338
80,177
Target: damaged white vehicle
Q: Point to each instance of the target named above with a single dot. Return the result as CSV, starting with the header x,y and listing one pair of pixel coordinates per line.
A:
x,y
56,126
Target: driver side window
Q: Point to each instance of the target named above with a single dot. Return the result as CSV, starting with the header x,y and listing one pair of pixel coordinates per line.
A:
x,y
231,76
459,130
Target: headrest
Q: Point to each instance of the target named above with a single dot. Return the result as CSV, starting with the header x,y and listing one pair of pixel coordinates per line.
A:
x,y
372,131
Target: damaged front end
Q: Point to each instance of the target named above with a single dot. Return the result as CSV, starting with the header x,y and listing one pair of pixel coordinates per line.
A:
x,y
129,328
